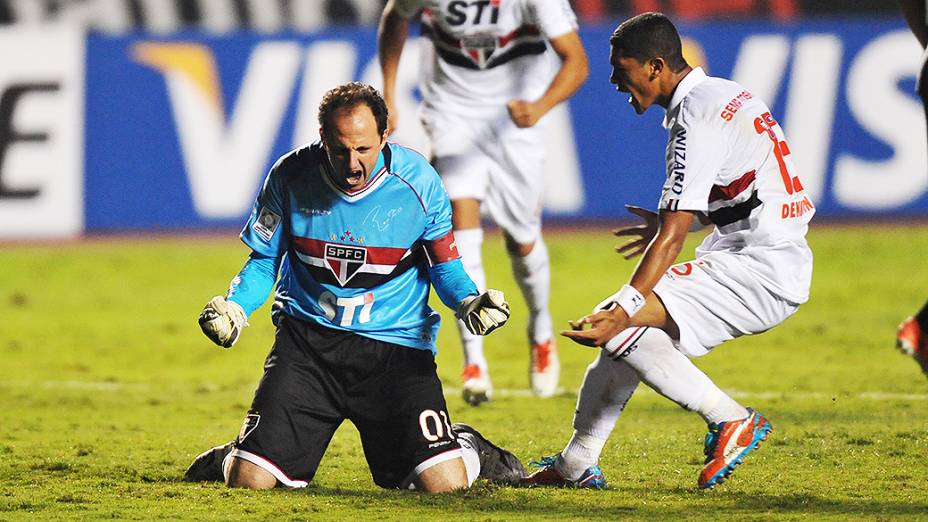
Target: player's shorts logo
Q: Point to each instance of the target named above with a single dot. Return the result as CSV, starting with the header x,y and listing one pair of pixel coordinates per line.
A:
x,y
344,261
251,422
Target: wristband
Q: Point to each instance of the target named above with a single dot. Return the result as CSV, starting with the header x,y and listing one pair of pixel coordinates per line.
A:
x,y
630,300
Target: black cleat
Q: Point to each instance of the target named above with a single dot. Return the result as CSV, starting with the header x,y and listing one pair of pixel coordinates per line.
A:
x,y
207,467
496,464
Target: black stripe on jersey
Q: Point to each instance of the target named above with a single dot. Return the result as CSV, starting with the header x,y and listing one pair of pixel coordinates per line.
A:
x,y
460,60
728,215
517,51
455,58
323,275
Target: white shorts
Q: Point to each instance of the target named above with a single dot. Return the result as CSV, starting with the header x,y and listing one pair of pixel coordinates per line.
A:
x,y
493,161
715,299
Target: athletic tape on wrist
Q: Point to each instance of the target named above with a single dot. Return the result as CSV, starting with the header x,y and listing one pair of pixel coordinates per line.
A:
x,y
630,300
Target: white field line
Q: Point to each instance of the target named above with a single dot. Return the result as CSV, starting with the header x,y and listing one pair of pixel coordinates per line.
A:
x,y
510,392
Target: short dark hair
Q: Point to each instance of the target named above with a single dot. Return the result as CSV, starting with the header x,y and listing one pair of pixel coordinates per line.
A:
x,y
648,36
349,95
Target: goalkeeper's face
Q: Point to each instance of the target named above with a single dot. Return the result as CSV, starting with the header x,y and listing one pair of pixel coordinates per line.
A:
x,y
353,145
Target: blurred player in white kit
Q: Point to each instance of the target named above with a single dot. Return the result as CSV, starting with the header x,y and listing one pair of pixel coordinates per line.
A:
x,y
487,78
727,164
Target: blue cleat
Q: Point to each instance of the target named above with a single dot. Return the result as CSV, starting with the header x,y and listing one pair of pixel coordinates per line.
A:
x,y
548,475
727,444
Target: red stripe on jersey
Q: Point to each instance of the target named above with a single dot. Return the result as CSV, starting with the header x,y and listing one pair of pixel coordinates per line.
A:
x,y
525,30
734,188
442,249
375,255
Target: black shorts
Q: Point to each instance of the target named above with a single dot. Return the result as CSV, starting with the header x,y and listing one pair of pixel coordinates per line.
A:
x,y
315,377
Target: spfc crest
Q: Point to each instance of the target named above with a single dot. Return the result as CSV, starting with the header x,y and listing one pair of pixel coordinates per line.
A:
x,y
344,261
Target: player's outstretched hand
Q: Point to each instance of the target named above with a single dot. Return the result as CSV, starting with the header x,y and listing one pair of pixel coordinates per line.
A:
x,y
484,313
641,234
604,325
222,321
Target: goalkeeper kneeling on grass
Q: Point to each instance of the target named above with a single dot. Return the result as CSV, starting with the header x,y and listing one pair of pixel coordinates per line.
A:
x,y
357,230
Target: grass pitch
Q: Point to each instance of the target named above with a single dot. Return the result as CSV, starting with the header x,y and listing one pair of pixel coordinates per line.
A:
x,y
108,391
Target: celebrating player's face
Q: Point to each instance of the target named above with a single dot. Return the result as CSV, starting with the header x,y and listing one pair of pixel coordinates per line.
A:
x,y
353,144
634,77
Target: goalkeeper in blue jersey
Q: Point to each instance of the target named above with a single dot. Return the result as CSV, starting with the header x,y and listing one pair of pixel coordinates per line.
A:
x,y
353,230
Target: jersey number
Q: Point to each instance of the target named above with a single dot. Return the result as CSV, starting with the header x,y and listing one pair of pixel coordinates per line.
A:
x,y
347,305
441,424
765,124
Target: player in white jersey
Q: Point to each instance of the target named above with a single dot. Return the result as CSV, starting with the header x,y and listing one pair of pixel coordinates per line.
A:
x,y
728,164
487,78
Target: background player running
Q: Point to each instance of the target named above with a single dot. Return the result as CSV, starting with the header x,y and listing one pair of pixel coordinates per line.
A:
x,y
488,76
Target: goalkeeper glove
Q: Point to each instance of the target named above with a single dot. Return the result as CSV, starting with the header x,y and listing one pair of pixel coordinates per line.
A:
x,y
484,313
222,321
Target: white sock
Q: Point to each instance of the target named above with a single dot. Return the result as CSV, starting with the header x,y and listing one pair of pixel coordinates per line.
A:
x,y
607,387
470,243
471,460
581,452
673,375
533,274
718,407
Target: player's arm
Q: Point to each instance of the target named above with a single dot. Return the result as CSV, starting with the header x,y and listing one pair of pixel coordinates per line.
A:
x,y
391,37
570,76
481,313
224,317
685,196
635,303
642,235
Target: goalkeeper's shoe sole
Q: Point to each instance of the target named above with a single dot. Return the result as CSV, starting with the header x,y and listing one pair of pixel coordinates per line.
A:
x,y
548,475
912,341
207,467
496,464
728,443
545,369
476,385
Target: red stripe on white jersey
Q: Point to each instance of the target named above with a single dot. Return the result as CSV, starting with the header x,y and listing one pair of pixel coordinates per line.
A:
x,y
733,189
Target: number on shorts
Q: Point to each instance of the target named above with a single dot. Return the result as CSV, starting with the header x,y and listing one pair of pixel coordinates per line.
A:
x,y
441,425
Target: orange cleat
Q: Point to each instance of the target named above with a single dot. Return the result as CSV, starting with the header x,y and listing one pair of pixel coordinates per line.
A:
x,y
477,387
910,340
545,369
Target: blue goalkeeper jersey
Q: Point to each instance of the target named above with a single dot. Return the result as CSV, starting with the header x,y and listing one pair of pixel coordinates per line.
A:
x,y
360,261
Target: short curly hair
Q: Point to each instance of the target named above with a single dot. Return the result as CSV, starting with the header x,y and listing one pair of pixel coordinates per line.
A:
x,y
349,95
